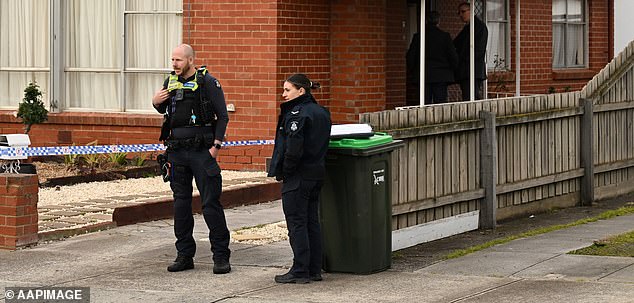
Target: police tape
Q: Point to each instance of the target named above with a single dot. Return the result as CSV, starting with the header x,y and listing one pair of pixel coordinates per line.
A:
x,y
104,149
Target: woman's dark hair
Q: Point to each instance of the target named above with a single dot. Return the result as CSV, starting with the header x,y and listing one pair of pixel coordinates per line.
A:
x,y
300,80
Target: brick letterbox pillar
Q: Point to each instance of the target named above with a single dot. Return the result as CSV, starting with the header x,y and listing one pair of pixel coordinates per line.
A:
x,y
18,210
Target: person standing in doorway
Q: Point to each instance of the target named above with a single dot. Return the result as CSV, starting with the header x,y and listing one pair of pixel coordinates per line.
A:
x,y
462,42
441,60
299,156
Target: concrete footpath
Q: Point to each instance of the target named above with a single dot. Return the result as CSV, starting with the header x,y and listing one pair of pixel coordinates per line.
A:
x,y
128,264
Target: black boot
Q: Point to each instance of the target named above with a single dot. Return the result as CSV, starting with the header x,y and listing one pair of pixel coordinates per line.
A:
x,y
222,267
290,278
181,263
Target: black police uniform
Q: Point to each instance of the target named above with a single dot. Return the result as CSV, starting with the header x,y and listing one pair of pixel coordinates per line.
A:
x,y
188,144
301,143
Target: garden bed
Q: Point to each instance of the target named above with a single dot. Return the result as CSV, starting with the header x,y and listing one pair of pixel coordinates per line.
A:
x,y
53,172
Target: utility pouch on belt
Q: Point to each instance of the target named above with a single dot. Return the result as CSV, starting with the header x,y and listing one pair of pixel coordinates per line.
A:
x,y
164,166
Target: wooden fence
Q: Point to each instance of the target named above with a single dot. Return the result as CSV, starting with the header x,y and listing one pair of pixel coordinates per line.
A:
x,y
513,156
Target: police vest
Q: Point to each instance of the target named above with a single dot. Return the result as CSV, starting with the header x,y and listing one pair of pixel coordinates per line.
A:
x,y
174,84
198,112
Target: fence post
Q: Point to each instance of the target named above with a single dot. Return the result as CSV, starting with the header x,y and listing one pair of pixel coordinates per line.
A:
x,y
18,210
488,170
587,156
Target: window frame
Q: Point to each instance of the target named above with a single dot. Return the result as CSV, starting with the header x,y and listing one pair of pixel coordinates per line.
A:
x,y
507,37
586,38
59,70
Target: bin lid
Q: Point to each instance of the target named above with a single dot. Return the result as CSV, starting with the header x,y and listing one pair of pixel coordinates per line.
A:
x,y
374,140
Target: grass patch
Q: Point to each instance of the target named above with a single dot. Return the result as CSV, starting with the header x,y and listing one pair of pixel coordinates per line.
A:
x,y
618,246
625,210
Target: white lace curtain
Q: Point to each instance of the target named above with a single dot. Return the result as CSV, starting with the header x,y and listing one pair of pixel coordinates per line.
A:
x,y
497,24
93,52
24,55
149,43
93,58
568,33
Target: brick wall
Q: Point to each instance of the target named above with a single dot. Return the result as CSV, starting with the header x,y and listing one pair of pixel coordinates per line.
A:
x,y
397,45
18,210
358,48
355,49
81,128
237,40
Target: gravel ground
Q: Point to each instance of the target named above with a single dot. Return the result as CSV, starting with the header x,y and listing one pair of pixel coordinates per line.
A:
x,y
263,234
94,190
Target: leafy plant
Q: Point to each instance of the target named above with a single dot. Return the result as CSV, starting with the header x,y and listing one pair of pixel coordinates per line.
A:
x,y
139,160
71,160
31,109
92,160
551,90
497,76
118,158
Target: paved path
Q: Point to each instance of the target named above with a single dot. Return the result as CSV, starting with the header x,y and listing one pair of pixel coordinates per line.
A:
x,y
128,264
96,212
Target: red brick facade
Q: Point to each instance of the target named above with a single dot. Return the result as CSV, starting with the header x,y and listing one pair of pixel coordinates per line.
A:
x,y
18,210
355,49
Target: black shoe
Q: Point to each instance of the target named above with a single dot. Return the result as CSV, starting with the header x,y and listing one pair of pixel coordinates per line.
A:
x,y
222,267
315,277
290,278
181,263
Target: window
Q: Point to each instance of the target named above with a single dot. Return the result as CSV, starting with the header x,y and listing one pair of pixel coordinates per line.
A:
x,y
111,55
498,25
24,49
569,33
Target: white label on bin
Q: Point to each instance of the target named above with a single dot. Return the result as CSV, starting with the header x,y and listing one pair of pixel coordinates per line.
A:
x,y
379,176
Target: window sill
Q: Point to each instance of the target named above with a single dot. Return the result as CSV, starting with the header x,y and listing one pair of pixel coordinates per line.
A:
x,y
573,74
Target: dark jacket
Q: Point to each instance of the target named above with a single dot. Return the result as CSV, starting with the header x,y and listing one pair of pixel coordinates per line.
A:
x,y
301,140
181,111
462,47
441,58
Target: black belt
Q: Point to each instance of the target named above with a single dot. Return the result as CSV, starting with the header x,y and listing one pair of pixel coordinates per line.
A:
x,y
191,132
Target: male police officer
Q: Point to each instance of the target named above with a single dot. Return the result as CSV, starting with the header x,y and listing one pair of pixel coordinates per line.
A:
x,y
194,127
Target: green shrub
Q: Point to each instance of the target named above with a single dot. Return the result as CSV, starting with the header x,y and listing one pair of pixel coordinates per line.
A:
x,y
31,109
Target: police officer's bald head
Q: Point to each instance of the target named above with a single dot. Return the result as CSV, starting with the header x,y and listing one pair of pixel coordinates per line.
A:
x,y
183,60
186,49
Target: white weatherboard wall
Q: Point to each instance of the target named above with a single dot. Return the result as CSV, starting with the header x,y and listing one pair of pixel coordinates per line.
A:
x,y
623,24
434,230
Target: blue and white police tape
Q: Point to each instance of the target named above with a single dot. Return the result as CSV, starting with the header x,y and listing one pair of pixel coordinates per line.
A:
x,y
104,149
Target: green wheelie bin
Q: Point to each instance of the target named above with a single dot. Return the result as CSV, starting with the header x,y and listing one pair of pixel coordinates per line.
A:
x,y
356,209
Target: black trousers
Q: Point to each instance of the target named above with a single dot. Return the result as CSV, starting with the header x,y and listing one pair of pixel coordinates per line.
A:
x,y
198,164
465,87
301,206
436,93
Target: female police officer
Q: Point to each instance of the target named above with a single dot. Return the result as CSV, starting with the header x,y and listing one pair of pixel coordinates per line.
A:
x,y
301,142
